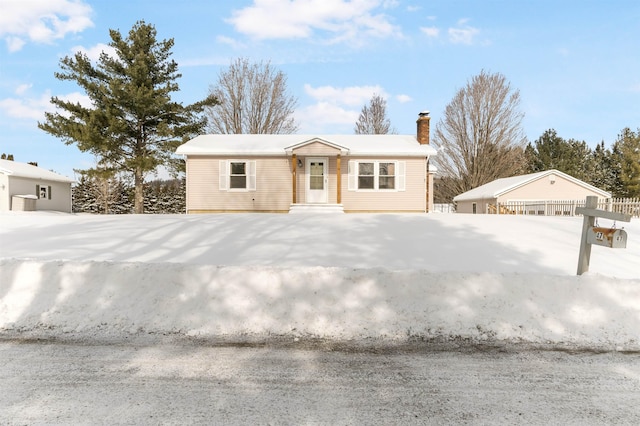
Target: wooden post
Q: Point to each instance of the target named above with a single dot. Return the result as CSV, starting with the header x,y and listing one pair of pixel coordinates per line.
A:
x,y
294,163
585,247
590,212
339,179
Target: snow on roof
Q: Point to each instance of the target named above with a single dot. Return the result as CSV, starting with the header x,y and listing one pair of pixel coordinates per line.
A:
x,y
250,144
499,187
24,170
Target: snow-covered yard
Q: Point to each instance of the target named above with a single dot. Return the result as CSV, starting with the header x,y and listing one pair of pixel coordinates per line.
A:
x,y
386,276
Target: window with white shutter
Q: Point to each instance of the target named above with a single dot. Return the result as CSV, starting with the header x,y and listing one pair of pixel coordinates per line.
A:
x,y
237,175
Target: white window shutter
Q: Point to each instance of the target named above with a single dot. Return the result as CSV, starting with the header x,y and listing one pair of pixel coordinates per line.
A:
x,y
400,177
251,175
353,176
224,175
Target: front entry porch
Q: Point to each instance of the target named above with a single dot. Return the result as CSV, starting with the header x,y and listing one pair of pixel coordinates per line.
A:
x,y
316,180
316,208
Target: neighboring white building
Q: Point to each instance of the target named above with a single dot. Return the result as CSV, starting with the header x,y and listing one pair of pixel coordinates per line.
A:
x,y
22,181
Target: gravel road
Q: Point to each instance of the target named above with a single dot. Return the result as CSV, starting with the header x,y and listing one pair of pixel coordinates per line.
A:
x,y
297,383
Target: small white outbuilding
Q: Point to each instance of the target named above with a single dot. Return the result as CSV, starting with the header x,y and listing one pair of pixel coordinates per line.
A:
x,y
550,192
27,187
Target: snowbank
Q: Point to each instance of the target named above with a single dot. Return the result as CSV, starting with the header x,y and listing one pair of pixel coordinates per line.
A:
x,y
488,300
337,303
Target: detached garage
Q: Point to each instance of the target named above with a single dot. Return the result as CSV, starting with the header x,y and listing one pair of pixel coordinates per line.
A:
x,y
26,187
551,192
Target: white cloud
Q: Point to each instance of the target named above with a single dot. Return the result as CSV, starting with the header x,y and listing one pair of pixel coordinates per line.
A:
x,y
34,108
403,99
346,21
432,32
231,42
41,21
93,53
464,34
21,89
336,109
75,97
25,108
325,115
351,96
14,43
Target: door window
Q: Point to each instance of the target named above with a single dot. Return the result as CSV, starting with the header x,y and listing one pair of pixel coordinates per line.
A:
x,y
316,175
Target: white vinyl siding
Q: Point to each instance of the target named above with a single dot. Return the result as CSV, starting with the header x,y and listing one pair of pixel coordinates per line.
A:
x,y
378,175
55,197
237,175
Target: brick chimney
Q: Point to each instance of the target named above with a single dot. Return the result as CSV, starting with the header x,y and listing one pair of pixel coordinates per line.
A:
x,y
423,128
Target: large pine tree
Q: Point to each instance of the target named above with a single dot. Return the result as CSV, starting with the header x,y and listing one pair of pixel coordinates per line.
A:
x,y
132,126
550,151
627,148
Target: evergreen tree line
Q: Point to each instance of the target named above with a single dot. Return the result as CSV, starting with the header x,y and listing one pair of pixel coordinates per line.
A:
x,y
116,196
615,170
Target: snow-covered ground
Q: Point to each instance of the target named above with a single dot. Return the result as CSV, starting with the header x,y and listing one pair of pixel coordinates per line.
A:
x,y
389,276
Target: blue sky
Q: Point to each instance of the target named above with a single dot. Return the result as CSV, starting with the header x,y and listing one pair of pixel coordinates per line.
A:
x,y
575,63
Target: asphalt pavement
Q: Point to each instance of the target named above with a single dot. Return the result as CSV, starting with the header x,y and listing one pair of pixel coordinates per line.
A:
x,y
316,383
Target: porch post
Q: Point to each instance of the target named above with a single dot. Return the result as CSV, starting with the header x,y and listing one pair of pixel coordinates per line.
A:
x,y
294,163
339,179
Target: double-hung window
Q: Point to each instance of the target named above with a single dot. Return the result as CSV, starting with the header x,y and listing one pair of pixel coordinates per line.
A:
x,y
386,176
366,176
237,175
379,175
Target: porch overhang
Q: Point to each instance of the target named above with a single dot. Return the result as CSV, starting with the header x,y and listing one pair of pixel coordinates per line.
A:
x,y
334,151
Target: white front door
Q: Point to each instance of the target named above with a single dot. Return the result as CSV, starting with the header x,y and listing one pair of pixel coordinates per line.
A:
x,y
317,179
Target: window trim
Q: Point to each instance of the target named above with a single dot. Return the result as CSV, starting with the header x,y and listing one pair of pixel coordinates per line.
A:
x,y
399,176
43,188
225,175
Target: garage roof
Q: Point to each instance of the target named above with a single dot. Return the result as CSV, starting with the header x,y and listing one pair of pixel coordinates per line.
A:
x,y
24,170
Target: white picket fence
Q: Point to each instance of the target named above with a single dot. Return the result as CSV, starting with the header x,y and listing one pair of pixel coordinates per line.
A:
x,y
565,207
444,208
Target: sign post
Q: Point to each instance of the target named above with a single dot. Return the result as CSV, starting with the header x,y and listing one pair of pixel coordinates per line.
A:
x,y
608,237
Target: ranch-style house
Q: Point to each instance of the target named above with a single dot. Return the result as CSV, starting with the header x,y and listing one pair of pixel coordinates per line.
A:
x,y
297,173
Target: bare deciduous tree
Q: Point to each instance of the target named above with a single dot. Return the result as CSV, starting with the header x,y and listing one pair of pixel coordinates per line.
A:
x,y
373,118
253,98
480,137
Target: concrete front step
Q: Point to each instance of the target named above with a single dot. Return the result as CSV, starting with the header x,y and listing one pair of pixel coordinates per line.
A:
x,y
316,208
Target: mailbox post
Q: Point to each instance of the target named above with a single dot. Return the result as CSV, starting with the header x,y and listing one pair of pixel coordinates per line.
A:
x,y
608,237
